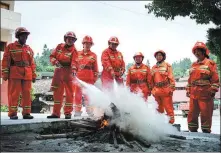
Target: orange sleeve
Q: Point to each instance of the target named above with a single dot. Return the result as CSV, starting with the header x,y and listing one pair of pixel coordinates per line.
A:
x,y
33,65
123,64
214,78
149,78
74,60
171,77
128,78
95,67
53,55
105,60
189,83
6,61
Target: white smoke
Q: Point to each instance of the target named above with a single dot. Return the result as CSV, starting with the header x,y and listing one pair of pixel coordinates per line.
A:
x,y
137,116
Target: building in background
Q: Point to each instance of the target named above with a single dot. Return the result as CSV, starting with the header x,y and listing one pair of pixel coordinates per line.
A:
x,y
10,20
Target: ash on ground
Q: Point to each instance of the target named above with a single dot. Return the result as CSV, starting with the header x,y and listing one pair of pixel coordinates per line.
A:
x,y
26,142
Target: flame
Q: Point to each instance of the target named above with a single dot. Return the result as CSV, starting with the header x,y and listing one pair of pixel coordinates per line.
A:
x,y
104,123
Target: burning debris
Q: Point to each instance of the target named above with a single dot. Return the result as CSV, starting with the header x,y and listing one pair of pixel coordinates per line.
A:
x,y
102,130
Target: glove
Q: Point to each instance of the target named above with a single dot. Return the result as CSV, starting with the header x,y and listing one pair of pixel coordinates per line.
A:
x,y
58,64
74,73
33,80
188,94
5,79
121,73
113,74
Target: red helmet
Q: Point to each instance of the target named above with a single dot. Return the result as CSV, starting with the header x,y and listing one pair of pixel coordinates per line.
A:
x,y
113,40
138,54
70,34
21,30
202,46
160,51
88,39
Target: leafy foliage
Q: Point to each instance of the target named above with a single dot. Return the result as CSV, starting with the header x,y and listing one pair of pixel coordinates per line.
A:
x,y
202,11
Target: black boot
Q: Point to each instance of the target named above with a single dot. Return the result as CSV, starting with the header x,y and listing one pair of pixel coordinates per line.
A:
x,y
27,116
67,116
193,131
14,117
206,131
53,116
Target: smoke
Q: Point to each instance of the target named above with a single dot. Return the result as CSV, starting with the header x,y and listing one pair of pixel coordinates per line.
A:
x,y
137,116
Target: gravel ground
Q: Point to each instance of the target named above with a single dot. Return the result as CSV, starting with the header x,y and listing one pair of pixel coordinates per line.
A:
x,y
26,142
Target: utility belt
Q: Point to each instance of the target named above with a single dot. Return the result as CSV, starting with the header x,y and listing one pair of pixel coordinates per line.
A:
x,y
65,65
138,81
161,84
201,83
117,69
85,67
20,63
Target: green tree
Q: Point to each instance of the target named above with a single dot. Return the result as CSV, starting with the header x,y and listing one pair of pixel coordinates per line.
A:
x,y
180,68
128,66
203,11
43,62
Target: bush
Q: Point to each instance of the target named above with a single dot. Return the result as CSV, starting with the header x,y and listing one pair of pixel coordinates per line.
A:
x,y
49,69
4,108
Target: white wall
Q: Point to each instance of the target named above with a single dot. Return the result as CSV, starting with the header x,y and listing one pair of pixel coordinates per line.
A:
x,y
10,20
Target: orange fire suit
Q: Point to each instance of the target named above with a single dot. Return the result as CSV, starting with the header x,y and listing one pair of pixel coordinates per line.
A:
x,y
63,77
18,67
163,87
203,83
112,62
139,78
87,72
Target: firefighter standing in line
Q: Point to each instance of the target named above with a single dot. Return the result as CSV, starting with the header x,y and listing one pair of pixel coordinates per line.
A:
x,y
87,72
18,67
113,65
203,83
64,57
139,77
163,85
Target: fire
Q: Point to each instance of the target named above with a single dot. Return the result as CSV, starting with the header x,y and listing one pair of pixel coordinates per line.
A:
x,y
104,123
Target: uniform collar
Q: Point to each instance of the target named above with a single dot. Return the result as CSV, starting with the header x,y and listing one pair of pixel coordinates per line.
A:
x,y
18,44
203,61
160,64
137,67
87,53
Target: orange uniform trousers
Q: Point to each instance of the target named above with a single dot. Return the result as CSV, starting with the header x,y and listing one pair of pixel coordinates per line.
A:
x,y
15,88
79,97
205,109
63,80
107,81
166,102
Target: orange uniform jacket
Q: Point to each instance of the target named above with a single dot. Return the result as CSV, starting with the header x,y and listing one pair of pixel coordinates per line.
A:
x,y
66,56
139,78
112,61
203,79
87,67
15,58
163,80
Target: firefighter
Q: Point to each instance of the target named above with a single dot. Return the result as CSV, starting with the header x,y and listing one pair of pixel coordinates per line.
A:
x,y
139,77
163,85
113,64
203,83
64,58
18,67
87,72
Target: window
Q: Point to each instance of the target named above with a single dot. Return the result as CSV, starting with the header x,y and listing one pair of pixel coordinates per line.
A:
x,y
2,46
5,6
